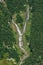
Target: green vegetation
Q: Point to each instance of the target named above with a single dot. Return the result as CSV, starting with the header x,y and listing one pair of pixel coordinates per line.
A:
x,y
19,19
33,38
5,62
36,35
15,6
7,38
5,31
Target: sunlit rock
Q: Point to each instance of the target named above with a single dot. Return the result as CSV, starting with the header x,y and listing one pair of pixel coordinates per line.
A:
x,y
1,0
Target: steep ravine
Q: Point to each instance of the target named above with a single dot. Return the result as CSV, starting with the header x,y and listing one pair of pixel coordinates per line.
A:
x,y
21,35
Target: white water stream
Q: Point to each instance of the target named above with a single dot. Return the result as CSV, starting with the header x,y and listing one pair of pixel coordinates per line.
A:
x,y
21,34
20,37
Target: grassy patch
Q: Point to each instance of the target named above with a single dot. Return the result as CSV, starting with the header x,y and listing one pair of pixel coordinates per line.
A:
x,y
5,62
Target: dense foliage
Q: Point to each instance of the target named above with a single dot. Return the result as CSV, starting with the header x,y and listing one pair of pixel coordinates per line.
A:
x,y
19,19
15,6
36,36
7,39
5,30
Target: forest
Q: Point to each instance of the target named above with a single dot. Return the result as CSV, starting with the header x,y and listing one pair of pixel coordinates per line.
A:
x,y
21,22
